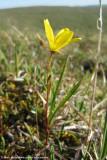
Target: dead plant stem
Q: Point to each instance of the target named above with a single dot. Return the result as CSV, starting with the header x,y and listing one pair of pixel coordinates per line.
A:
x,y
99,27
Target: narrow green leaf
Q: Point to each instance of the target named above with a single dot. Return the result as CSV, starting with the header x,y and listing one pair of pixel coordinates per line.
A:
x,y
3,57
55,92
61,105
52,156
104,141
29,157
2,144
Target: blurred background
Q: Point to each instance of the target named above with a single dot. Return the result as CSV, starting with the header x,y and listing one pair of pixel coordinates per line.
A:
x,y
79,15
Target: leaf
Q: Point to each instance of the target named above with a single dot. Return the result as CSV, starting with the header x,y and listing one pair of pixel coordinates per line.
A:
x,y
61,105
2,144
3,57
55,92
104,141
52,156
29,157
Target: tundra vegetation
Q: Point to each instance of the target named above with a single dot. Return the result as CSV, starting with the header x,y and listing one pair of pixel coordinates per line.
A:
x,y
52,96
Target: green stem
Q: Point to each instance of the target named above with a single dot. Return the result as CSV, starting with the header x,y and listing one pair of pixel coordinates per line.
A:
x,y
49,65
1,120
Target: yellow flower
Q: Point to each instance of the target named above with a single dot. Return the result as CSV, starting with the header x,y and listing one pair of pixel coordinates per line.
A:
x,y
62,39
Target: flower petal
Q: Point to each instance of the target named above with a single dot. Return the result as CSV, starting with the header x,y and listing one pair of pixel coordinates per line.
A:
x,y
63,38
49,33
73,40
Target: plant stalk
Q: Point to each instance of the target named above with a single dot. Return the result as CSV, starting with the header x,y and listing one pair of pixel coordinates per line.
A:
x,y
49,66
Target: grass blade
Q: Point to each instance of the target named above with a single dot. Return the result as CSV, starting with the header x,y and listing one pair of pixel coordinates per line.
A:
x,y
55,92
61,105
104,141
